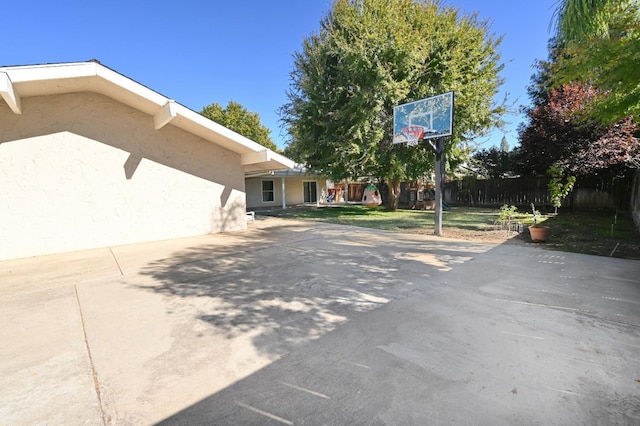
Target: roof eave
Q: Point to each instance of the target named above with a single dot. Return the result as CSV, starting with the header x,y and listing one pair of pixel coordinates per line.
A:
x,y
35,80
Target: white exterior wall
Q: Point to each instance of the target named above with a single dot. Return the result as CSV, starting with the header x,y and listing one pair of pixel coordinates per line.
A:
x,y
295,189
254,192
82,171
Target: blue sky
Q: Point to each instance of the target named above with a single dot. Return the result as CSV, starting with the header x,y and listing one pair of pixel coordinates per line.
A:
x,y
198,52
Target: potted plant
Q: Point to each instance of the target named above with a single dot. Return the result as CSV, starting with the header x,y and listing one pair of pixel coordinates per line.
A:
x,y
539,233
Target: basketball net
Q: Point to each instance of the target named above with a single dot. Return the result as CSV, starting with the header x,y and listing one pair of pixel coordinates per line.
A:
x,y
412,142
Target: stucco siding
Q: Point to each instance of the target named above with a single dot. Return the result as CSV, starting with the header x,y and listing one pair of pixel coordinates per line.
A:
x,y
81,171
254,192
295,192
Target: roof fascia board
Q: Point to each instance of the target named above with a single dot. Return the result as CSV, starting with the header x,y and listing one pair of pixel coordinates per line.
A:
x,y
130,85
8,93
285,161
85,70
22,74
247,144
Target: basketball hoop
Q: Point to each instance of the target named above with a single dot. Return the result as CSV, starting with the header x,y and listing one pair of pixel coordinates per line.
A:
x,y
424,119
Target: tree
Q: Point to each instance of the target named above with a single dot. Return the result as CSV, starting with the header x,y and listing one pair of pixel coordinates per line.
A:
x,y
600,42
559,186
557,135
504,144
493,162
240,120
578,20
584,96
371,55
544,79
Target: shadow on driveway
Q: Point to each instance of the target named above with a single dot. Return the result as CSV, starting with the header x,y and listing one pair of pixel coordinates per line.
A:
x,y
476,333
292,283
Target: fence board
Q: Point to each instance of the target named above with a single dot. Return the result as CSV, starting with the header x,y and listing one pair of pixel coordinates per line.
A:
x,y
594,192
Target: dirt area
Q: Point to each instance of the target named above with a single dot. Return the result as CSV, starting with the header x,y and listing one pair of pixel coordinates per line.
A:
x,y
494,237
625,249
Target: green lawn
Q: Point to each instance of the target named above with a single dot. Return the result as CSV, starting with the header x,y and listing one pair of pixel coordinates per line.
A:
x,y
381,218
589,232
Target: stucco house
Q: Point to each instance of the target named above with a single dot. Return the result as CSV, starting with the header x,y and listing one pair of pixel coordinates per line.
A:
x,y
90,158
299,186
283,188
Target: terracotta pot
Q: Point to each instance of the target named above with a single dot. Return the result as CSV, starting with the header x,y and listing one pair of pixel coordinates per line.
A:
x,y
539,233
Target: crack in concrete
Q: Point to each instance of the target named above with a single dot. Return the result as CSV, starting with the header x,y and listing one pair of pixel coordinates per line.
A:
x,y
94,373
116,260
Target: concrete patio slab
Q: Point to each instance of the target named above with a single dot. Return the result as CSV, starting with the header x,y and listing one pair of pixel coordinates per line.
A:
x,y
302,323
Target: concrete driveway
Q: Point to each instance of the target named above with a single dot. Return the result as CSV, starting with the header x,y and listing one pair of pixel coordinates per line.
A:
x,y
299,323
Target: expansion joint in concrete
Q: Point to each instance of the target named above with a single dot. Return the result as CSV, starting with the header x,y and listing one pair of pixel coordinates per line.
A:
x,y
94,373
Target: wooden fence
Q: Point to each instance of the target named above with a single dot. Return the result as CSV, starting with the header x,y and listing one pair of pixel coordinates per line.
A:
x,y
593,193
635,199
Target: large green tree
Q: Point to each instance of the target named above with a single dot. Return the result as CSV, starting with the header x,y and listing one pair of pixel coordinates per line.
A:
x,y
240,120
600,46
371,55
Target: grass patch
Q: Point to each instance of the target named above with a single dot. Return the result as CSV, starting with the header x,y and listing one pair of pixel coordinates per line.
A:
x,y
381,218
588,232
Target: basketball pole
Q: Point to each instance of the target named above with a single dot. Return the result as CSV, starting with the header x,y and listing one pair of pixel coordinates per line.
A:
x,y
440,165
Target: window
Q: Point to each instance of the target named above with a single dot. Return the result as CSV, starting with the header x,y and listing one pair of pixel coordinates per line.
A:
x,y
267,191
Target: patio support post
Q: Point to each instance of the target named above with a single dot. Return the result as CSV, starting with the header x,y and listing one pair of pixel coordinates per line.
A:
x,y
284,197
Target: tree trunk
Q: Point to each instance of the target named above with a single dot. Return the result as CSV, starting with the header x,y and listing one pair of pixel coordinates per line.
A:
x,y
394,194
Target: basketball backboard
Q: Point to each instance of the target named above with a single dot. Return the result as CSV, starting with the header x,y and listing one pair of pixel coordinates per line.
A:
x,y
427,118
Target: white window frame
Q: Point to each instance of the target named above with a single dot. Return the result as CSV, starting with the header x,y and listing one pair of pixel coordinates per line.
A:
x,y
271,191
